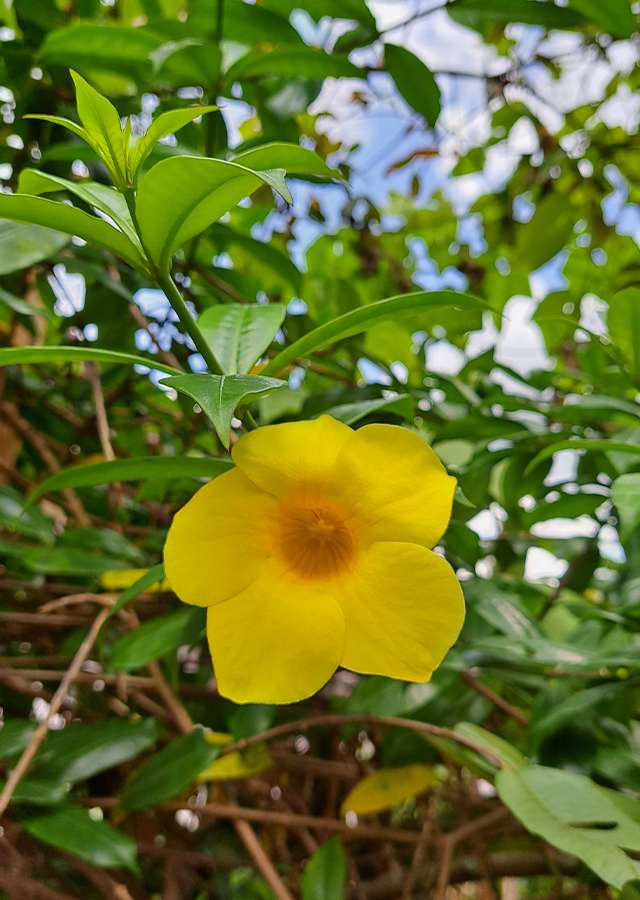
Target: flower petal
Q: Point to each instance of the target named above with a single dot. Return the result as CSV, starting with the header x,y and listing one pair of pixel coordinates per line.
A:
x,y
396,484
404,608
283,458
276,642
217,543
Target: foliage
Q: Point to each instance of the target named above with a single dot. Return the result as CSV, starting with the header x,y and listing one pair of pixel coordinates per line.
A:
x,y
171,275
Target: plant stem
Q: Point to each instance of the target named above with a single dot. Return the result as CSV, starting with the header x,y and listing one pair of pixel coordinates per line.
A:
x,y
187,321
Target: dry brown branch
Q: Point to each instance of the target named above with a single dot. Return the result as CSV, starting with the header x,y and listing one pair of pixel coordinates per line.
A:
x,y
41,732
10,414
388,721
482,689
262,862
295,820
76,600
459,834
502,864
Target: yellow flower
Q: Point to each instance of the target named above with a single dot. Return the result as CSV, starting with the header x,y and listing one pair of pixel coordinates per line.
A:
x,y
313,553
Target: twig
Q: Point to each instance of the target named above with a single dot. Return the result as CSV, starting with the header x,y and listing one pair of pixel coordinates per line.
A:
x,y
102,421
416,862
11,415
389,721
451,839
262,862
296,820
40,733
180,715
510,710
76,599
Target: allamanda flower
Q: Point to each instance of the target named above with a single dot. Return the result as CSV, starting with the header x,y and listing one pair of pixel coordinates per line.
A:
x,y
313,553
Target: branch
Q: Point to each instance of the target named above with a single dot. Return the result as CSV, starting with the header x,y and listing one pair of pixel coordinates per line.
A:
x,y
40,733
389,721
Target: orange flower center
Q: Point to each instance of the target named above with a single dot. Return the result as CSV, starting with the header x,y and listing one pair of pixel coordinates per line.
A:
x,y
314,539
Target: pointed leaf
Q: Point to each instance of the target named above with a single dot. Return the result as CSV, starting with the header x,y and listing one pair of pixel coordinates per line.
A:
x,y
615,16
387,788
575,815
23,245
310,62
358,320
294,159
165,124
97,843
623,321
102,123
625,493
238,335
73,221
65,123
220,395
107,199
170,771
604,446
150,641
180,197
14,355
414,81
82,750
476,13
140,469
325,875
10,300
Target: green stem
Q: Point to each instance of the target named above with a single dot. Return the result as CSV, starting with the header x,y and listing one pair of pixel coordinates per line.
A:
x,y
173,295
187,321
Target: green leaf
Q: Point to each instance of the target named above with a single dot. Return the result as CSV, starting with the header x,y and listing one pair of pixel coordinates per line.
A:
x,y
180,197
107,199
536,241
220,395
64,123
414,81
358,320
107,48
23,244
575,815
73,221
325,875
476,13
294,159
97,843
625,493
604,446
142,468
81,751
623,321
14,736
150,641
509,755
15,355
39,792
350,413
309,62
238,335
102,123
15,303
614,16
165,124
170,771
151,577
68,561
